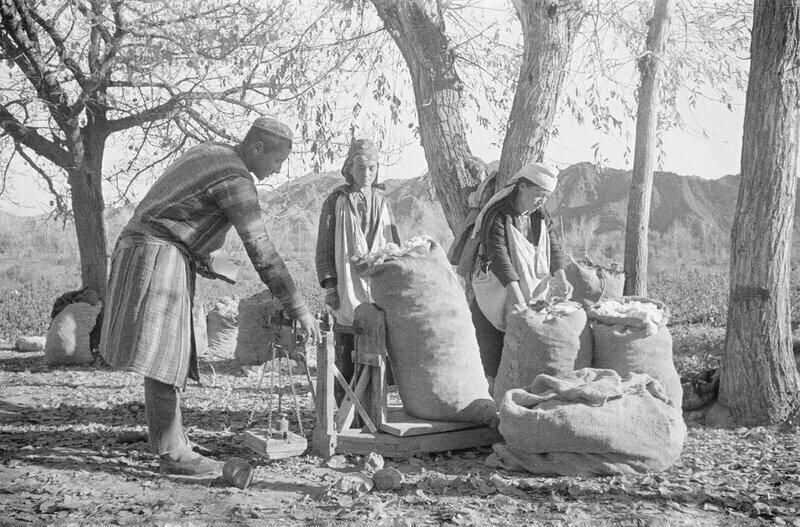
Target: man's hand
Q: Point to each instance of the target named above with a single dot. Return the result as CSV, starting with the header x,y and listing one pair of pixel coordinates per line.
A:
x,y
202,267
309,324
332,298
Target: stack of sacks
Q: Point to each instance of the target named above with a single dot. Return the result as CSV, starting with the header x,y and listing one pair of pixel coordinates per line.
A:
x,y
552,340
431,343
631,336
589,422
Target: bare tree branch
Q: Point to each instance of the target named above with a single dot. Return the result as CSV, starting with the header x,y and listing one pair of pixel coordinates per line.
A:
x,y
61,48
62,208
33,140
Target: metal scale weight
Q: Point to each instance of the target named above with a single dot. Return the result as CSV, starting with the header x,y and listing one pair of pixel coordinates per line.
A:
x,y
364,421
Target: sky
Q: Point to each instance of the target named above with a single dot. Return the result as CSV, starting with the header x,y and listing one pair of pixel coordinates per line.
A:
x,y
709,147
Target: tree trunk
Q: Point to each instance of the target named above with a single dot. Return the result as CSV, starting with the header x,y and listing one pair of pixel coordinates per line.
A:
x,y
85,183
650,66
548,29
417,27
758,379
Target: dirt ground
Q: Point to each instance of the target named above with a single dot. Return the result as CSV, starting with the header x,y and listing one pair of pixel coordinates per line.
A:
x,y
73,451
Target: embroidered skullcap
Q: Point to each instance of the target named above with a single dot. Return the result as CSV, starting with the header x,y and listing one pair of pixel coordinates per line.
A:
x,y
539,174
359,147
273,128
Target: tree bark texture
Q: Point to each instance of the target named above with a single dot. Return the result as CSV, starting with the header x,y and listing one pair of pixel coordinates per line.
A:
x,y
548,28
650,68
85,181
417,27
758,379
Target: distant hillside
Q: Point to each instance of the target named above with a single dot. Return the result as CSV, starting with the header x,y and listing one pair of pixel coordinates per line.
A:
x,y
293,209
705,207
701,205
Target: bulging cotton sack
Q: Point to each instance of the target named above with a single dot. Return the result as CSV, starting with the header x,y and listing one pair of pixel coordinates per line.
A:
x,y
431,342
68,336
552,340
592,284
223,328
631,336
257,330
589,422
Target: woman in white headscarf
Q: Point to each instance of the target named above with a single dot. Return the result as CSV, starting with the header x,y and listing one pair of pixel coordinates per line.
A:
x,y
520,256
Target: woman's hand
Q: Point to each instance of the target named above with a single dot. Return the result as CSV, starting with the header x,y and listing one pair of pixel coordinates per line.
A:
x,y
332,298
562,285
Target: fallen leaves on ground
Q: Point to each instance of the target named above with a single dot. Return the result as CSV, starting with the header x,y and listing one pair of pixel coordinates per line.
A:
x,y
74,449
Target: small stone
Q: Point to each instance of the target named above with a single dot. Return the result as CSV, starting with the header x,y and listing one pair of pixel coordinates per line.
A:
x,y
30,343
387,479
354,483
337,461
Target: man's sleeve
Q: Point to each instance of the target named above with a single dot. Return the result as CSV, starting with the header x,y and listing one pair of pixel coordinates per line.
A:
x,y
326,243
238,199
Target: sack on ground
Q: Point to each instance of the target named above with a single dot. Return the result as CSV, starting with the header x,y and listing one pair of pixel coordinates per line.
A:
x,y
431,342
631,335
552,340
200,326
223,328
68,336
589,422
259,326
592,284
89,296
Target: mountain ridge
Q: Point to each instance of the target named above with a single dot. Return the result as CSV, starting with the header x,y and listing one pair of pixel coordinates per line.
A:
x,y
588,198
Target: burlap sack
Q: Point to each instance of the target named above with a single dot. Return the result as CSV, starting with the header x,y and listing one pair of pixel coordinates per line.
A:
x,y
256,332
589,422
223,328
592,284
200,326
623,345
68,336
431,342
553,340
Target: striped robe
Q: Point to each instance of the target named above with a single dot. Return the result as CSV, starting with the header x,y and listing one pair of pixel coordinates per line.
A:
x,y
185,216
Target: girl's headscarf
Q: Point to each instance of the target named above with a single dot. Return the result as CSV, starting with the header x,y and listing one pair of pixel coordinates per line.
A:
x,y
539,174
359,147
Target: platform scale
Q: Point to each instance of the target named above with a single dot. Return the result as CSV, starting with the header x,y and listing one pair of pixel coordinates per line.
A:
x,y
276,441
387,429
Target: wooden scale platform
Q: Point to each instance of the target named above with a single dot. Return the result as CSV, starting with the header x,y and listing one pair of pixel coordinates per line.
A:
x,y
387,429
